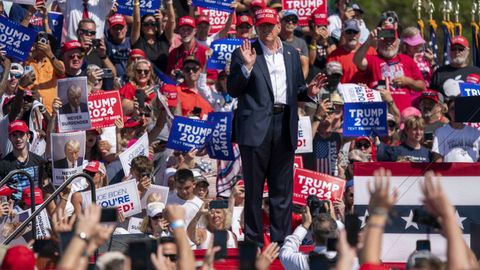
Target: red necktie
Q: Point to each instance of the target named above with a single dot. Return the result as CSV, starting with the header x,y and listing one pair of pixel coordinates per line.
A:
x,y
85,10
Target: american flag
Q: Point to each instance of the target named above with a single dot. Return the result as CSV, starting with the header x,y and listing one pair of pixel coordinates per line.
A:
x,y
446,44
433,40
325,163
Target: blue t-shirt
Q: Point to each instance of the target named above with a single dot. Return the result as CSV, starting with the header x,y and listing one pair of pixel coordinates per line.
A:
x,y
404,151
118,54
18,12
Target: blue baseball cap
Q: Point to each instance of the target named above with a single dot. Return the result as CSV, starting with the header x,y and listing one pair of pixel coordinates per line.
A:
x,y
351,24
290,12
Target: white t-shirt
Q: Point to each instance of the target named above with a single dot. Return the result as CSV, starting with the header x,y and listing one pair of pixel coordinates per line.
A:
x,y
457,145
334,23
191,206
73,13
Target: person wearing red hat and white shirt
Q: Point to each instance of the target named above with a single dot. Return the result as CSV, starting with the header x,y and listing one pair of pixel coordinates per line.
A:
x,y
117,42
266,77
189,47
154,37
203,28
244,27
74,11
446,79
21,158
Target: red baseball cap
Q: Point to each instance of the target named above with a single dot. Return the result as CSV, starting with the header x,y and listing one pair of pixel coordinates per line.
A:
x,y
17,125
38,196
93,166
459,40
318,17
18,258
202,19
258,3
186,20
117,19
245,19
433,95
266,15
171,92
71,45
137,53
130,122
473,78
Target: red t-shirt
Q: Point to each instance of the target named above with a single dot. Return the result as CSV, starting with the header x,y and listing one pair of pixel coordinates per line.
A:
x,y
128,91
351,74
190,99
398,66
176,56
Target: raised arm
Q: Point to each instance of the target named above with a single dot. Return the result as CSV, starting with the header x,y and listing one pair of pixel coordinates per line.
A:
x,y
171,22
224,32
135,34
176,217
241,67
359,57
197,235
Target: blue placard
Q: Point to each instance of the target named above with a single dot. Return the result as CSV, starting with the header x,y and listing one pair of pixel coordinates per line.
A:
x,y
220,146
469,89
365,119
187,133
162,77
55,22
125,7
222,52
220,5
17,39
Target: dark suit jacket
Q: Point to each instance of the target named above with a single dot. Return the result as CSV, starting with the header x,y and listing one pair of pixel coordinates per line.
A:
x,y
63,164
255,96
66,109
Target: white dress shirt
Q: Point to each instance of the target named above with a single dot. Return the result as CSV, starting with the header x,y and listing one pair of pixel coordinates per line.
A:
x,y
277,71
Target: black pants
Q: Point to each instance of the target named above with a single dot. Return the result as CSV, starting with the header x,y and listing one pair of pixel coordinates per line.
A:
x,y
273,161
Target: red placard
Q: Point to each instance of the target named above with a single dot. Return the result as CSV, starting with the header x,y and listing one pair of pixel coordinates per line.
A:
x,y
218,19
326,187
298,162
105,108
305,8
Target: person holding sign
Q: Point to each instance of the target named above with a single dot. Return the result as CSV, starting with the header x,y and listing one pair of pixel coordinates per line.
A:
x,y
203,28
267,79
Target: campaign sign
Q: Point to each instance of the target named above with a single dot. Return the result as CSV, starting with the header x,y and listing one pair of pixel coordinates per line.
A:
x,y
222,52
73,115
139,148
220,147
160,190
17,39
217,18
134,225
104,108
186,134
326,187
125,7
26,2
222,5
305,8
469,89
365,119
42,223
305,140
123,196
298,162
356,93
55,22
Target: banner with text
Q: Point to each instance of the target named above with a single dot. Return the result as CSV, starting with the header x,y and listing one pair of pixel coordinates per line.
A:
x,y
16,39
365,119
42,223
134,225
73,115
68,155
305,140
221,5
186,134
305,8
220,146
123,196
104,108
469,89
139,148
125,7
353,93
222,52
55,22
326,187
217,18
26,2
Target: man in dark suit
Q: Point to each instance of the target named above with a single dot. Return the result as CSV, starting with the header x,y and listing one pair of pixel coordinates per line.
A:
x,y
74,105
267,79
72,159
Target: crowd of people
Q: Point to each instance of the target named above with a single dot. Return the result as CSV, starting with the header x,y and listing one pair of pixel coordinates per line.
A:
x,y
281,71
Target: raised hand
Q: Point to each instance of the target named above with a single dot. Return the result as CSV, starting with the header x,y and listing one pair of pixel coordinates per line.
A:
x,y
435,201
317,84
380,197
265,259
248,54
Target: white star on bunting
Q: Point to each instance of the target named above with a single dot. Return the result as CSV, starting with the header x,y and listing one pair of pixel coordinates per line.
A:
x,y
409,221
